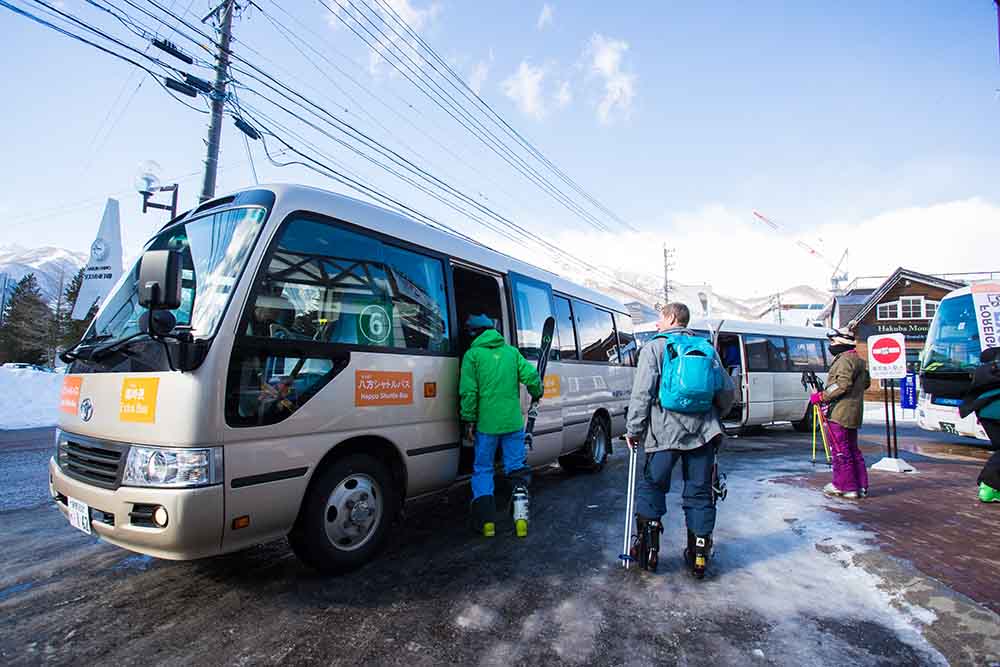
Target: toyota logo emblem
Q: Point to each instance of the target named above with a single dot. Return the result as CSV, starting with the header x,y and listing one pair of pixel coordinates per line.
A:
x,y
86,409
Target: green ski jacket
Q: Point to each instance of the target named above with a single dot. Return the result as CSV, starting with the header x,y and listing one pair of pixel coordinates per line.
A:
x,y
489,388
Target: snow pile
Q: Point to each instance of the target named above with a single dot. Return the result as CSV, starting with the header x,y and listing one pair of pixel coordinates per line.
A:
x,y
28,398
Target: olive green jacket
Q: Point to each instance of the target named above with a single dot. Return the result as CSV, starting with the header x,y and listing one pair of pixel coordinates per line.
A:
x,y
490,385
845,389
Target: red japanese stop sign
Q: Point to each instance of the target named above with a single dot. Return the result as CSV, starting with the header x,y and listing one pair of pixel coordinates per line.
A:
x,y
886,351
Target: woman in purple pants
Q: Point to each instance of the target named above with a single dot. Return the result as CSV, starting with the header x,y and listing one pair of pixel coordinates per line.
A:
x,y
844,398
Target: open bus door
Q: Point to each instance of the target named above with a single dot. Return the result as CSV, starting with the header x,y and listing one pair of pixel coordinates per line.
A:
x,y
730,349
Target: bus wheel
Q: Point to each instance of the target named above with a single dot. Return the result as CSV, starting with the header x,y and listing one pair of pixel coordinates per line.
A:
x,y
346,515
594,453
804,425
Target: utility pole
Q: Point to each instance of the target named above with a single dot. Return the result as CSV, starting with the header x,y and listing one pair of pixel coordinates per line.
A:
x,y
57,324
4,283
668,263
226,9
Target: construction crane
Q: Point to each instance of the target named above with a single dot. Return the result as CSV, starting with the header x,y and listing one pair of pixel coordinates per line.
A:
x,y
837,277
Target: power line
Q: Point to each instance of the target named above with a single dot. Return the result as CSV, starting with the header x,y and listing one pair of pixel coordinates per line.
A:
x,y
385,152
467,91
452,107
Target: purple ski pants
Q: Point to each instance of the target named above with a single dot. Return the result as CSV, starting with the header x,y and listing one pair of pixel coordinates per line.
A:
x,y
849,470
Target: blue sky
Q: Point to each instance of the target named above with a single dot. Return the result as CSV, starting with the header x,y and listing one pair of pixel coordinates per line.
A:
x,y
869,126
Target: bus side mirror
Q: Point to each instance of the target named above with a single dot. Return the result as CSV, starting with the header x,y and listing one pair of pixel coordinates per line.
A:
x,y
160,280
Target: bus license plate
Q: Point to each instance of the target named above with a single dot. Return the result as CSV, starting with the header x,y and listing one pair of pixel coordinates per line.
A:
x,y
79,514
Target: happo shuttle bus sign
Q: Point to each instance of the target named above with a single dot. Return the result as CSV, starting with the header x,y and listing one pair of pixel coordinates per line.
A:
x,y
887,356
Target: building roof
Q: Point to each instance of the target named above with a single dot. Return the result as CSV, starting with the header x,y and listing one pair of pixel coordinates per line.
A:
x,y
901,274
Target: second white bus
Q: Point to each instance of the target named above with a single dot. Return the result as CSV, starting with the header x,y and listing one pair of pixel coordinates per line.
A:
x,y
768,363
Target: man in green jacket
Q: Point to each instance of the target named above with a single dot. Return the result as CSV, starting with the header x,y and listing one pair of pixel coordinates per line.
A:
x,y
489,390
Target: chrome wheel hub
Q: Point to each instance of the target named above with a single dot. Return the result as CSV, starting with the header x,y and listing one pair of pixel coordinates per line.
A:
x,y
353,512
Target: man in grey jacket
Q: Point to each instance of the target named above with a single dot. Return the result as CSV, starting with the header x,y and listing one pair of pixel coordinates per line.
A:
x,y
668,437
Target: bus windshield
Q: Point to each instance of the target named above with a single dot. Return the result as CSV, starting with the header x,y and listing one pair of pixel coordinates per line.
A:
x,y
214,250
953,340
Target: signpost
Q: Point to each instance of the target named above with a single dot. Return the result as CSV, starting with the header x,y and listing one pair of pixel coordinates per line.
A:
x,y
887,361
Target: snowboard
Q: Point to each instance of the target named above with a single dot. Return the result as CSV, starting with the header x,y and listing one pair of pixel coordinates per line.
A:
x,y
548,330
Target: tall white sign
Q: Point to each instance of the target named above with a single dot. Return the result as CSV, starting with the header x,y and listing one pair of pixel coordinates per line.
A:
x,y
105,264
887,356
986,299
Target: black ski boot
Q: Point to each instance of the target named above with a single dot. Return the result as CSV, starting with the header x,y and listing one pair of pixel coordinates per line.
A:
x,y
646,545
698,553
484,516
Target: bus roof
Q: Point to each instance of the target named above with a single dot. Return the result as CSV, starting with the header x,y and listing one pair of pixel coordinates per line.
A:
x,y
749,327
293,197
961,291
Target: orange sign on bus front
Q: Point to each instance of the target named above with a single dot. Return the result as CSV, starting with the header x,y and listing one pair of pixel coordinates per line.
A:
x,y
69,398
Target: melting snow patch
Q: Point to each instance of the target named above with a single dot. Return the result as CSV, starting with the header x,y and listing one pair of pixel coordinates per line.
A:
x,y
781,553
476,617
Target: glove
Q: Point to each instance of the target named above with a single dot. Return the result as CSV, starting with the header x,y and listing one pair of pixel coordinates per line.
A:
x,y
816,398
469,435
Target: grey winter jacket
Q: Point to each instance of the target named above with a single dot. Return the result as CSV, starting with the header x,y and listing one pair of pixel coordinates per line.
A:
x,y
658,429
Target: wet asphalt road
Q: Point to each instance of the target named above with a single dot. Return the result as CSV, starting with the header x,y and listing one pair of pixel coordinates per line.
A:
x,y
439,594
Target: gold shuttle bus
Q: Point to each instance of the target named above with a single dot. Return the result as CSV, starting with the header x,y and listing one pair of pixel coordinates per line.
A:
x,y
284,361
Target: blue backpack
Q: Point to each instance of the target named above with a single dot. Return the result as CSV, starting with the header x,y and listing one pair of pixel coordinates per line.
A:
x,y
690,375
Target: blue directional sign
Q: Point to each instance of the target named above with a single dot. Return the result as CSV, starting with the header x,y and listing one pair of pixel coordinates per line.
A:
x,y
908,392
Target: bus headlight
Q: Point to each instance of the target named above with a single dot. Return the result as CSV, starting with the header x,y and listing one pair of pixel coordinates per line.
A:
x,y
159,466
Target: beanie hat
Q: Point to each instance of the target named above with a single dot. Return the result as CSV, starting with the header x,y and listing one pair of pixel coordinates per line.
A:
x,y
476,322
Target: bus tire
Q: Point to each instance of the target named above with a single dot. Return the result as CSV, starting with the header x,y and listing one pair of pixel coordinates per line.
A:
x,y
804,425
346,515
592,457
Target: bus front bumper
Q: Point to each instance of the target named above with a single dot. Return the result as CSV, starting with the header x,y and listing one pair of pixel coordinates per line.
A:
x,y
945,419
194,516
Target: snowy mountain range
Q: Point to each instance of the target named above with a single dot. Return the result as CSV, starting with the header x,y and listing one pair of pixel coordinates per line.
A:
x,y
51,266
797,305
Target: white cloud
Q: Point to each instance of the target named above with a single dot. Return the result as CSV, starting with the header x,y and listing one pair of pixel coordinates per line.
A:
x,y
605,56
480,72
545,17
524,87
564,95
415,17
740,257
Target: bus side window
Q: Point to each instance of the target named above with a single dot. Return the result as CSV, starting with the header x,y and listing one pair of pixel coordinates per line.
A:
x,y
757,353
324,287
626,340
532,306
806,354
777,354
566,329
596,329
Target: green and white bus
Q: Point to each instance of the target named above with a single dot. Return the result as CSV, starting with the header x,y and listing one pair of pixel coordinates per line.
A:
x,y
947,362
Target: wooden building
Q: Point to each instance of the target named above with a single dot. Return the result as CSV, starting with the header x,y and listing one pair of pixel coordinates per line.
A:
x,y
904,303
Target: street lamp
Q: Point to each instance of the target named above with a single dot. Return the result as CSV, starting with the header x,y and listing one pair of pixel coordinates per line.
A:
x,y
147,182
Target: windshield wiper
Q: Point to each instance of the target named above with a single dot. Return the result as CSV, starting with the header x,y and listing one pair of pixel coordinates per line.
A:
x,y
72,355
99,353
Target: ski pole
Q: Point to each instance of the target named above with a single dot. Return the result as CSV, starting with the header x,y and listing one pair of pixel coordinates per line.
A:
x,y
822,430
815,420
625,558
